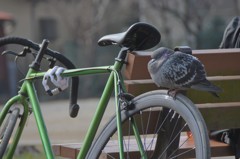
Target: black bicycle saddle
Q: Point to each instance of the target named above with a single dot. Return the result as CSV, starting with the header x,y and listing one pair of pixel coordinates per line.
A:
x,y
139,36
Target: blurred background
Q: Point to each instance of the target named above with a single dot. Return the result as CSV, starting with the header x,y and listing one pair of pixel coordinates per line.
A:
x,y
74,27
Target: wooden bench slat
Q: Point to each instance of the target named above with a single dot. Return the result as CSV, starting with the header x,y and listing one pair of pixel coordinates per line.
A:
x,y
229,84
216,61
68,150
210,78
221,115
216,115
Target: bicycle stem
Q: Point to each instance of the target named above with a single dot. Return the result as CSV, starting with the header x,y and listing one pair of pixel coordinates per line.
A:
x,y
37,62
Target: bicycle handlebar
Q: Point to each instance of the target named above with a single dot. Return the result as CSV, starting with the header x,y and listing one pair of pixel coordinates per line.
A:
x,y
74,107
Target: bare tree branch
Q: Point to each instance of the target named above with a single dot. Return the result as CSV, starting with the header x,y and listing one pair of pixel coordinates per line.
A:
x,y
190,13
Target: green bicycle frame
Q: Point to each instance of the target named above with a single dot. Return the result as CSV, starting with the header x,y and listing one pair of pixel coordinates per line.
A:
x,y
28,91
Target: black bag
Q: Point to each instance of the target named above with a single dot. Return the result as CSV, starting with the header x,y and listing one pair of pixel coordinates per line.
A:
x,y
231,39
228,136
234,136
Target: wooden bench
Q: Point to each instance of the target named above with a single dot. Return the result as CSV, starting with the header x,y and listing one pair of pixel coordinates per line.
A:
x,y
71,150
223,69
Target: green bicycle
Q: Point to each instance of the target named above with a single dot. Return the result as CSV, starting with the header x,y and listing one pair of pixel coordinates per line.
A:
x,y
156,122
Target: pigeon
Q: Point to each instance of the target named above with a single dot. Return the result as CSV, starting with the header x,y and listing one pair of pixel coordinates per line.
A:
x,y
179,71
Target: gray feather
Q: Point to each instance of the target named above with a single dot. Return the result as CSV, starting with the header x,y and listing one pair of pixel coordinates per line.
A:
x,y
177,70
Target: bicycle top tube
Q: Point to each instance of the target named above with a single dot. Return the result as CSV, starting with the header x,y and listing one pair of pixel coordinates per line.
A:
x,y
75,72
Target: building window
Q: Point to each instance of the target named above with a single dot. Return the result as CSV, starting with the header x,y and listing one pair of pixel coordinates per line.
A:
x,y
48,29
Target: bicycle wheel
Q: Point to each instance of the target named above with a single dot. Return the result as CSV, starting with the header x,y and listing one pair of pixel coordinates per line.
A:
x,y
7,130
163,124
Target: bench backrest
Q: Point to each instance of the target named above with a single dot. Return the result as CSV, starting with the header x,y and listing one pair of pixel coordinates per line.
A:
x,y
223,69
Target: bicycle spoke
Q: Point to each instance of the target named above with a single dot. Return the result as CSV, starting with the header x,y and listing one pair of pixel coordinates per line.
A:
x,y
162,130
181,146
174,139
182,153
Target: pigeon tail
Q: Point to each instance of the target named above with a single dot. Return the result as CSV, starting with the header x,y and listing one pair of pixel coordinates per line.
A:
x,y
207,86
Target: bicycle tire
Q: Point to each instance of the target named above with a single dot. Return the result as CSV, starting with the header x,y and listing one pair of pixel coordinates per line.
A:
x,y
7,130
153,100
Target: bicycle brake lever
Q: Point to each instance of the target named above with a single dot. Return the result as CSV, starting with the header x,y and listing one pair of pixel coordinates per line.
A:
x,y
21,54
24,52
9,52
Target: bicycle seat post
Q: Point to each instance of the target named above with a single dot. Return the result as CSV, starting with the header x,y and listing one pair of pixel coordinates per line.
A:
x,y
36,63
122,55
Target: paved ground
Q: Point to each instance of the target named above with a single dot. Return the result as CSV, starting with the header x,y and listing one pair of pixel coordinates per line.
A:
x,y
62,128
